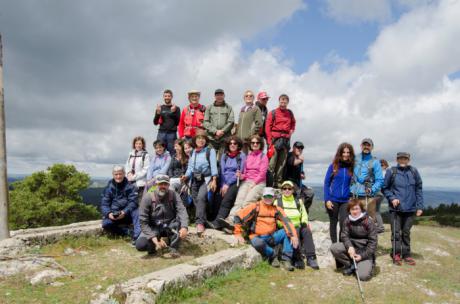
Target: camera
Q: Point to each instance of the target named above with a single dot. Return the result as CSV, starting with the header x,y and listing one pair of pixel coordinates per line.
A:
x,y
198,176
116,214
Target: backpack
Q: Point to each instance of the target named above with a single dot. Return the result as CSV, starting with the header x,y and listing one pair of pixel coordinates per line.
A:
x,y
134,163
370,169
394,171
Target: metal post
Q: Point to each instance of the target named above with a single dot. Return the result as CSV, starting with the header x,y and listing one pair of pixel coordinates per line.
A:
x,y
4,231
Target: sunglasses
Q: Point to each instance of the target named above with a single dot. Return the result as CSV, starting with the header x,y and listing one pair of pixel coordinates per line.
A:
x,y
248,95
233,144
268,196
286,188
255,142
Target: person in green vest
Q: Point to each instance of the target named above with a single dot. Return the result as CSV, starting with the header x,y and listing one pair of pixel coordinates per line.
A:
x,y
297,214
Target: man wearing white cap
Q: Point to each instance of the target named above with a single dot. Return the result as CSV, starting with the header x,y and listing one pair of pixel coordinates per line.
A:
x,y
261,218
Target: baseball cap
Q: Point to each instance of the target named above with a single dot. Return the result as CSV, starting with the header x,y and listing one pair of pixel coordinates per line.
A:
x,y
402,154
262,95
162,179
219,91
268,191
367,140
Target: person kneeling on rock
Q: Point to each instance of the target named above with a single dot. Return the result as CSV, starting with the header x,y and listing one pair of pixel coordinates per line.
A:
x,y
296,212
260,218
359,242
162,215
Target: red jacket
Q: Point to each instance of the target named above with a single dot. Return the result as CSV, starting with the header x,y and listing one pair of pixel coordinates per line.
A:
x,y
282,126
191,118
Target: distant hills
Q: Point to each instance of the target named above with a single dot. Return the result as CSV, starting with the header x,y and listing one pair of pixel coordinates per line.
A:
x,y
433,197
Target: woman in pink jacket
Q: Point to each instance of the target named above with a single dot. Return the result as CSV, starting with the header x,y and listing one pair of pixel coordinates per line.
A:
x,y
253,177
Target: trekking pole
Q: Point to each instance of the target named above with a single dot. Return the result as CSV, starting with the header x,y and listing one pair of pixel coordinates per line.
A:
x,y
394,238
359,281
238,180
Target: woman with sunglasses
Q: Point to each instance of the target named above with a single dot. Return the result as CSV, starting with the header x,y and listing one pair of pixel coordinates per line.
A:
x,y
296,212
253,176
231,167
250,120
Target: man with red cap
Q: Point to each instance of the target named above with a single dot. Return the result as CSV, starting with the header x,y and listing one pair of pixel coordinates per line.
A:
x,y
262,100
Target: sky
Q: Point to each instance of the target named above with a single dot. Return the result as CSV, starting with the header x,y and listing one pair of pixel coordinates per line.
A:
x,y
82,78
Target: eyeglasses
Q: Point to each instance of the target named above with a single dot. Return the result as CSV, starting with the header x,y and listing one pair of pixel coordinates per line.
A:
x,y
255,142
233,143
248,95
286,189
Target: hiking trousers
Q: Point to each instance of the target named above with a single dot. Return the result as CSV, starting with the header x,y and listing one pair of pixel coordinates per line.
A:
x,y
307,246
338,214
401,223
265,244
168,138
119,227
200,199
276,166
365,267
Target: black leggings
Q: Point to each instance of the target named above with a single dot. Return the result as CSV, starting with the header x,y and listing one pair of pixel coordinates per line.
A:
x,y
337,215
227,202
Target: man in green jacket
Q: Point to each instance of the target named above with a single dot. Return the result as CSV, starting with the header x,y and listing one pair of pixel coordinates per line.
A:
x,y
218,121
296,212
250,120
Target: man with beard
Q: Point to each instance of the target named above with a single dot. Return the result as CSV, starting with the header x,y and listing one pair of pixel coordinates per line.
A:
x,y
163,219
167,116
367,178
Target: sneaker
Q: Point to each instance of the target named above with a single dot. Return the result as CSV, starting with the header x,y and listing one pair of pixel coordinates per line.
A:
x,y
200,229
312,262
299,264
348,271
287,265
409,261
397,260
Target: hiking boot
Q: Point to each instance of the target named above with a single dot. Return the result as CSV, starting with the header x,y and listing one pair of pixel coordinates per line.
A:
x,y
274,262
299,264
287,265
397,260
226,225
200,229
312,262
174,253
348,271
214,225
409,261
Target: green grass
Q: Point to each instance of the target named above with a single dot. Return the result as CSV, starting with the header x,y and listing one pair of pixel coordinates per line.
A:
x,y
436,250
107,261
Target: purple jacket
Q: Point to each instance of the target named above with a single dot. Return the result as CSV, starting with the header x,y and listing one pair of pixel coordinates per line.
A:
x,y
229,166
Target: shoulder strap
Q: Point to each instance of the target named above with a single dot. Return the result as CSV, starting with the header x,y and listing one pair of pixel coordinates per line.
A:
x,y
203,108
208,155
273,116
279,202
297,204
252,227
292,114
238,161
394,171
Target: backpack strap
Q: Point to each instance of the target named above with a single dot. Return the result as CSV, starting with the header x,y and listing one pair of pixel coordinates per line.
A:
x,y
394,171
279,202
252,227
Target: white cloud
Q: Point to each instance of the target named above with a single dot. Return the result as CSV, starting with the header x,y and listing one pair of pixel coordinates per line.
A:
x,y
350,11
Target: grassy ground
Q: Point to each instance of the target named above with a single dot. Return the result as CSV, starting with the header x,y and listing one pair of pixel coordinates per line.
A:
x,y
435,279
105,261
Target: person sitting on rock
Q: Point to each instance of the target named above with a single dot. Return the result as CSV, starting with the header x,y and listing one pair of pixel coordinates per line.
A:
x,y
119,205
359,242
162,215
260,218
295,211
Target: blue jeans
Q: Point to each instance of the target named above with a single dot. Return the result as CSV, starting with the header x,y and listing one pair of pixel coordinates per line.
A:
x,y
264,244
119,227
168,138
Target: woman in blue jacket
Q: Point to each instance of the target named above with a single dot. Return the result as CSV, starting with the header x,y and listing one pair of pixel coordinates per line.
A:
x,y
202,171
231,168
337,187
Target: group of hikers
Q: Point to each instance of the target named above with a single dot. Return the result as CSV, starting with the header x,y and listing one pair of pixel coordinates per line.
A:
x,y
218,173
